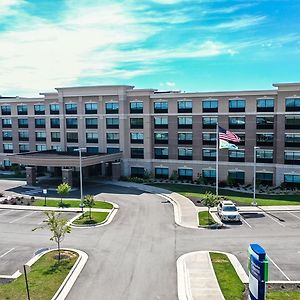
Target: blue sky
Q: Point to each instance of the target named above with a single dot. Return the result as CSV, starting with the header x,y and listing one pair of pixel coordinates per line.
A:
x,y
166,44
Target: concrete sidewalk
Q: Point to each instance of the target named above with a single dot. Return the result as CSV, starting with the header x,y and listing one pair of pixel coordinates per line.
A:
x,y
196,278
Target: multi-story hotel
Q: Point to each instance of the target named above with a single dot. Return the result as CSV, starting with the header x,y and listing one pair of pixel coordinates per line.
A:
x,y
163,132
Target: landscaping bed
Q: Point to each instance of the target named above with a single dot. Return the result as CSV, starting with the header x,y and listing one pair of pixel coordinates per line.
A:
x,y
71,203
44,279
96,218
205,219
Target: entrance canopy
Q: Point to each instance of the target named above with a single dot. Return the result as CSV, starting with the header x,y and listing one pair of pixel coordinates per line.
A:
x,y
53,158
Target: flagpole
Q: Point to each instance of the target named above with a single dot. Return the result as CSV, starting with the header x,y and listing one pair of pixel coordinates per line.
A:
x,y
217,159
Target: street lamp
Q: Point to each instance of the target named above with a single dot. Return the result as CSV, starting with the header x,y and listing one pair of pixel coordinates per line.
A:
x,y
254,175
80,175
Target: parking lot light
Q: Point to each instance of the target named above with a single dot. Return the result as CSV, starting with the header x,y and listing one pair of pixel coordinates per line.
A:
x,y
80,174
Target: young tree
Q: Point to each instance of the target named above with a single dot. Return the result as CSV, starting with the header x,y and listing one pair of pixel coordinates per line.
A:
x,y
89,202
58,226
63,189
209,200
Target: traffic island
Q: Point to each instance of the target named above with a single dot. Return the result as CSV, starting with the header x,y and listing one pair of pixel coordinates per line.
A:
x,y
207,220
94,219
47,277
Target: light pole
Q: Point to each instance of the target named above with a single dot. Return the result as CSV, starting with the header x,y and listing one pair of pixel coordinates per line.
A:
x,y
254,175
80,175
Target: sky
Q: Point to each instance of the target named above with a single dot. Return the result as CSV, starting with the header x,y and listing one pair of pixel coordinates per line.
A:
x,y
185,45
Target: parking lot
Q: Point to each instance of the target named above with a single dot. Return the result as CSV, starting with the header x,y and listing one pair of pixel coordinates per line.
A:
x,y
20,222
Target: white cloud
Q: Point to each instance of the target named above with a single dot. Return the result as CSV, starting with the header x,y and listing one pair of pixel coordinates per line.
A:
x,y
7,7
167,1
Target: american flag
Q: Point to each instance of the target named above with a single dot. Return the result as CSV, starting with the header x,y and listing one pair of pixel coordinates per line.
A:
x,y
228,135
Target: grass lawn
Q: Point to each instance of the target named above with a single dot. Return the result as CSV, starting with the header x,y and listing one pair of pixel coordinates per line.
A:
x,y
239,197
230,283
71,203
45,278
97,218
204,218
283,295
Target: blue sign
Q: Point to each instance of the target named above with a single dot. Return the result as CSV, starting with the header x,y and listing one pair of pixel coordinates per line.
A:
x,y
258,272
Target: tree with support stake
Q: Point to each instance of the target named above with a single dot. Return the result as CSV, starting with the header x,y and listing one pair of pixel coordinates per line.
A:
x,y
209,200
89,202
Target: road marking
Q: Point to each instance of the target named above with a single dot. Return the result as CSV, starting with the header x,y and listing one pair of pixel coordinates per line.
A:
x,y
7,252
18,219
272,218
242,218
294,215
272,261
6,212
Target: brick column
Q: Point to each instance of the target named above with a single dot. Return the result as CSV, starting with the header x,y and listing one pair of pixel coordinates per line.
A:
x,y
67,176
31,175
116,170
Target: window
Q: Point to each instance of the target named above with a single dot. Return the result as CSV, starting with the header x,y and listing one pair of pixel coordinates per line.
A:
x,y
71,148
92,150
264,139
264,178
55,136
292,140
136,123
112,107
22,109
54,123
23,123
236,122
40,136
161,107
236,155
40,123
72,137
6,163
161,173
39,109
71,123
91,123
185,122
23,148
136,107
265,122
8,148
265,105
23,136
208,138
292,104
137,152
56,147
292,157
209,175
185,173
209,154
5,110
241,135
137,172
237,105
112,138
137,137
236,177
91,108
7,135
6,123
210,106
161,137
160,122
161,153
292,122
92,137
54,109
185,153
292,180
112,122
71,108
41,147
184,106
185,138
264,156
209,122
111,150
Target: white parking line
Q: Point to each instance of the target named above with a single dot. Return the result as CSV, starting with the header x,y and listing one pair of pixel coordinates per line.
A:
x,y
274,220
294,215
5,212
7,252
18,219
243,219
272,261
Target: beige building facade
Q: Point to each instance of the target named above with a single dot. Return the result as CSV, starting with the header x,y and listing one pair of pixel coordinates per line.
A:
x,y
163,132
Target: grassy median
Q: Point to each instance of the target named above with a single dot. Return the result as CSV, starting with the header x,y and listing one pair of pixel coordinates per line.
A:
x,y
71,203
96,218
205,218
192,191
44,279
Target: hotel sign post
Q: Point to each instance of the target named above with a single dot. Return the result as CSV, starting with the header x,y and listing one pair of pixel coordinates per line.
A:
x,y
258,272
